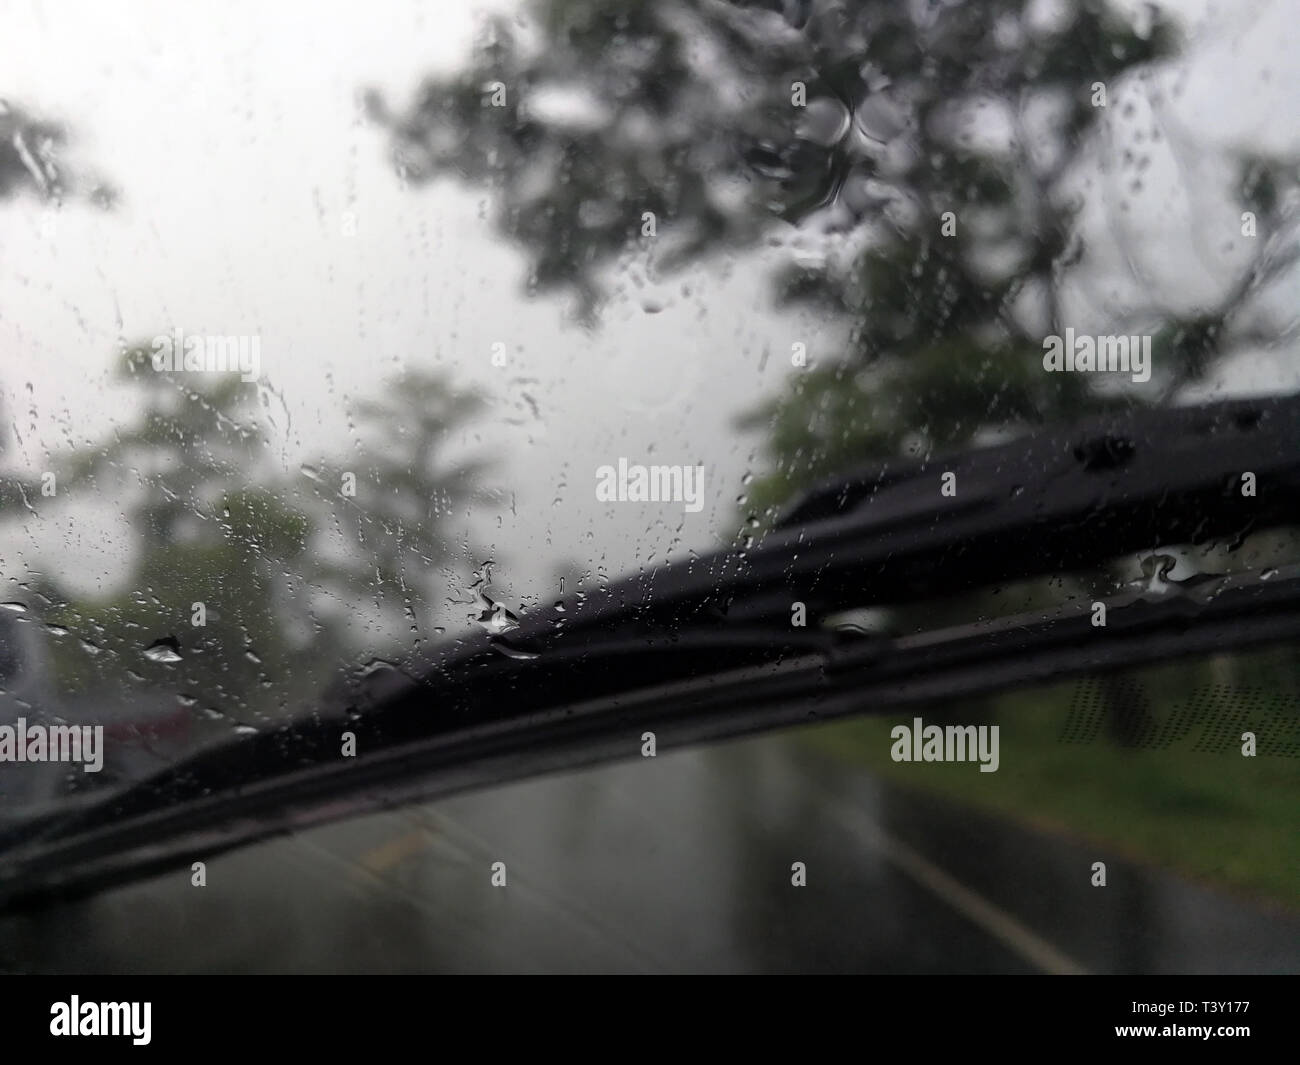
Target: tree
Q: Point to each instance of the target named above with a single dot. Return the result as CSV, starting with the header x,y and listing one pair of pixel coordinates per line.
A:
x,y
688,127
30,163
30,150
222,536
402,494
214,604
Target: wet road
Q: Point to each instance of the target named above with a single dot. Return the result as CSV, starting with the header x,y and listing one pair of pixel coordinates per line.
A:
x,y
676,863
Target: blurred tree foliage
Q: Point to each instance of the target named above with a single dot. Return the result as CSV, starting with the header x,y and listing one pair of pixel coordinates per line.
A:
x,y
295,574
205,528
31,160
583,114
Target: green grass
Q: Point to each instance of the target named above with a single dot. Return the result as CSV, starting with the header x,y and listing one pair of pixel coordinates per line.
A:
x,y
1223,818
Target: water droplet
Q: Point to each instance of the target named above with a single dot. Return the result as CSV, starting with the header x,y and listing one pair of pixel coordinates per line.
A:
x,y
501,647
494,617
165,650
824,121
1156,570
377,667
879,118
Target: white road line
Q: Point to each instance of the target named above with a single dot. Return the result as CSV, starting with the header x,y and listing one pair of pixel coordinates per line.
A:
x,y
979,910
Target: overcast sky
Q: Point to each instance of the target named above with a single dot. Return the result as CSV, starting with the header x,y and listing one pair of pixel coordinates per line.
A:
x,y
231,129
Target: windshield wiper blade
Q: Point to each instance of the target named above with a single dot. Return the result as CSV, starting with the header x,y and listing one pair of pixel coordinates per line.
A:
x,y
491,707
1058,500
875,677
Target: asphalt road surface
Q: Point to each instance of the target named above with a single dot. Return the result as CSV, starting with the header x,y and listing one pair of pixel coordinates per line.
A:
x,y
683,862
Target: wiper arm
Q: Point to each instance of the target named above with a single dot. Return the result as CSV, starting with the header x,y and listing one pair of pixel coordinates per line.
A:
x,y
1059,500
707,649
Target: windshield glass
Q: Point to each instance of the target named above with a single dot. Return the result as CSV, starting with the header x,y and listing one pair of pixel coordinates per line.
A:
x,y
326,354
